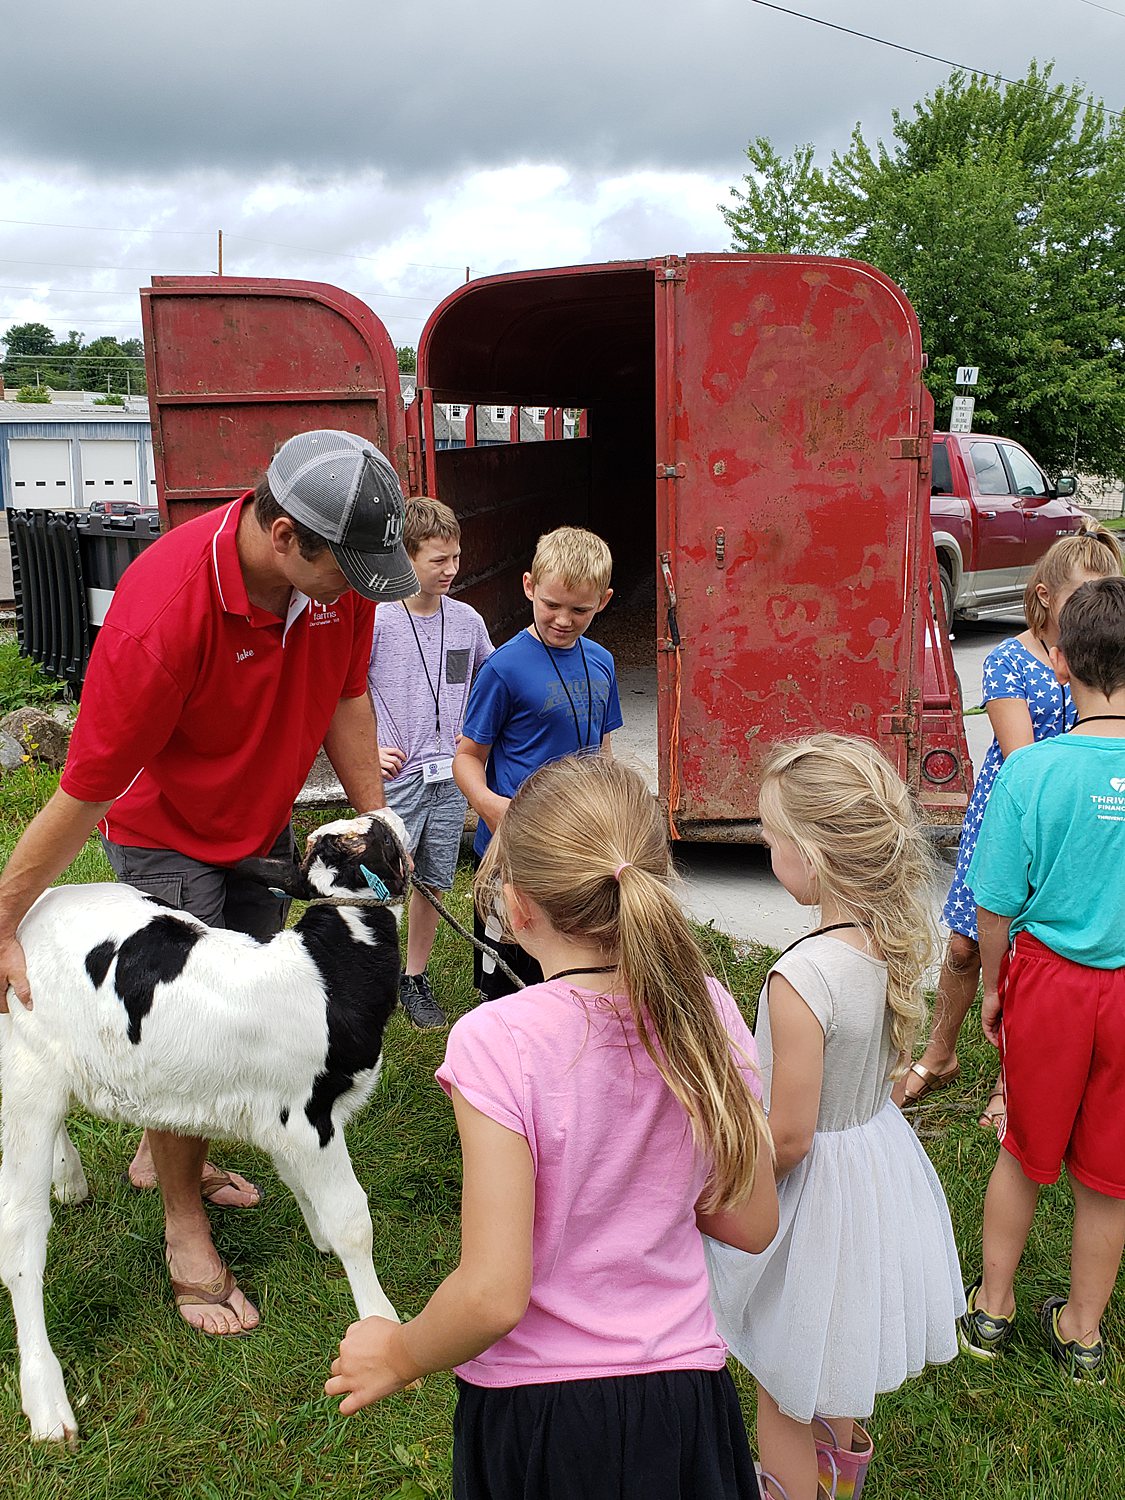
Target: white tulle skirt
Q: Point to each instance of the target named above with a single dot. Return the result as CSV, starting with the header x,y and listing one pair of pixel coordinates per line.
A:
x,y
861,1286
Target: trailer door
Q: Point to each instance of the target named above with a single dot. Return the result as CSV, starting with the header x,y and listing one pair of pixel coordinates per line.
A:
x,y
237,365
789,406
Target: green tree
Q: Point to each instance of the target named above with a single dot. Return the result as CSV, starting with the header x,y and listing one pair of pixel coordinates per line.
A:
x,y
780,208
107,365
1000,209
407,360
28,338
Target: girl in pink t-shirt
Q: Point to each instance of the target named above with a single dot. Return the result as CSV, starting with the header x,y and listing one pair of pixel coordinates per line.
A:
x,y
607,1116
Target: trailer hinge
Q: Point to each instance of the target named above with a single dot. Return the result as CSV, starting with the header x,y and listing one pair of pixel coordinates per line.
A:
x,y
670,471
413,467
916,448
673,269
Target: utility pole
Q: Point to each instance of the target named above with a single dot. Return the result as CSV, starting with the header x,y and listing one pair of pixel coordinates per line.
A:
x,y
220,252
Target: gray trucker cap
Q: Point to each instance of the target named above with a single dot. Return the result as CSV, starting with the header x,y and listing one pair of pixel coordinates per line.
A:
x,y
340,486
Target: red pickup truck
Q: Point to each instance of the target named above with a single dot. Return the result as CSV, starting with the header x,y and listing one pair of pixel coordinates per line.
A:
x,y
993,513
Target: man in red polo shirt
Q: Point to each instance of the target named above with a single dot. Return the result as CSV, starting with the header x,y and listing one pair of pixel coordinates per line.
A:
x,y
234,647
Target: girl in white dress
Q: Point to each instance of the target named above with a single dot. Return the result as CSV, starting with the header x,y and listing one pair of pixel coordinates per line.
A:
x,y
861,1286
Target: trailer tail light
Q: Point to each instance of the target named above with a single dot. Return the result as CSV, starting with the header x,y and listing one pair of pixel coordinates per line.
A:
x,y
939,766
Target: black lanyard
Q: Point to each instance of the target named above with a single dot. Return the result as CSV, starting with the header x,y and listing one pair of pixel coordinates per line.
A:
x,y
1096,719
817,932
583,744
435,692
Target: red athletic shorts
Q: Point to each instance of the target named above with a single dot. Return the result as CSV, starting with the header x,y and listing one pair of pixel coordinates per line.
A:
x,y
1062,1046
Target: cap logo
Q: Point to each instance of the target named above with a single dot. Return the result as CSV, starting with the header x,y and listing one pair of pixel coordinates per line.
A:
x,y
392,532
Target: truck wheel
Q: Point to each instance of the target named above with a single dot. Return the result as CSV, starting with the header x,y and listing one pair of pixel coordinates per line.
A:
x,y
947,596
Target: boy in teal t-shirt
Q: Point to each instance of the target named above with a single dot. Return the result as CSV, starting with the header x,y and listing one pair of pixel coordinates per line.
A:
x,y
1047,873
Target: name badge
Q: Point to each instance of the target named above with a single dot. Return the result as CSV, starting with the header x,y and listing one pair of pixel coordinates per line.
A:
x,y
438,769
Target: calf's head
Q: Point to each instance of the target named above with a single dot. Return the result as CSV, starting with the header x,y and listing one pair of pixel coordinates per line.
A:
x,y
362,856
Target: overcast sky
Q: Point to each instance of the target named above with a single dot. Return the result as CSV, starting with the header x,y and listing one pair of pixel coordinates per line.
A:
x,y
385,147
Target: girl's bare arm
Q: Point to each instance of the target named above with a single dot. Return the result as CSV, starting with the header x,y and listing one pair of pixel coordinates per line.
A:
x,y
479,1302
798,1074
752,1225
1011,723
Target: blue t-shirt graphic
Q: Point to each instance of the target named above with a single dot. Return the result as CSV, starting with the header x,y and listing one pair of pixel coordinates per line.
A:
x,y
533,705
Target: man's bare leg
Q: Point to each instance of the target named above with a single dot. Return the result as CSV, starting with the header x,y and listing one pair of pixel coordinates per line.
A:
x,y
191,1254
239,1194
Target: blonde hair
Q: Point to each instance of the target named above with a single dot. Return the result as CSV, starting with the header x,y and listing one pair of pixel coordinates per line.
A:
x,y
575,557
845,807
605,876
426,519
1091,551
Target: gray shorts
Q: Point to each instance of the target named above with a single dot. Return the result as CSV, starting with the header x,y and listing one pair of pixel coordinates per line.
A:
x,y
435,820
218,896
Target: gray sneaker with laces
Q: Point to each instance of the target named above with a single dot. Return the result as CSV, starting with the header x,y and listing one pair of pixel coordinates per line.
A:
x,y
1081,1361
419,1004
980,1334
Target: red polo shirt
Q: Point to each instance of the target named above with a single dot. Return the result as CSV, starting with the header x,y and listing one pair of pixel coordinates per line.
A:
x,y
201,714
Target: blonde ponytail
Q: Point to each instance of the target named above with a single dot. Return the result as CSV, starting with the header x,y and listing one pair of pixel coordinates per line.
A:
x,y
584,839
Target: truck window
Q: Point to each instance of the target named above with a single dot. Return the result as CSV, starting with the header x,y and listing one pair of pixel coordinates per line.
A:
x,y
1026,477
941,472
992,477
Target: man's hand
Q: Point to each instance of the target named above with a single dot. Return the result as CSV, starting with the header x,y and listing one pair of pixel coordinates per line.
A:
x,y
371,1364
391,761
990,1016
13,971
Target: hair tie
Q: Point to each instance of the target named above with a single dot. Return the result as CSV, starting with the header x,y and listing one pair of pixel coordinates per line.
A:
x,y
626,865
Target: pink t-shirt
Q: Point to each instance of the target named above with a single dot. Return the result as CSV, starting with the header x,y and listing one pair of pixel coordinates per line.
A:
x,y
619,1283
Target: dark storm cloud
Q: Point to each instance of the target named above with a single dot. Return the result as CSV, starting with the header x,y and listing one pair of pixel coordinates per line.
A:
x,y
423,91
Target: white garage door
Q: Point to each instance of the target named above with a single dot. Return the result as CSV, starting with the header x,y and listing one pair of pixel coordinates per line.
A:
x,y
109,470
40,472
151,475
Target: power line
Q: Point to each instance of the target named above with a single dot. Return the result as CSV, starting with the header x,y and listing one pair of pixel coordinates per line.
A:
x,y
882,41
1109,10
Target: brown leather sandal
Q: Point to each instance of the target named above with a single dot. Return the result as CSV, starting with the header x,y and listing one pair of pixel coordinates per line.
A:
x,y
931,1081
991,1117
213,1182
213,1293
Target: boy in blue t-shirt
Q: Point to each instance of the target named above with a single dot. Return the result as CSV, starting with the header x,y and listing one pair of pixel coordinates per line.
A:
x,y
544,694
1047,874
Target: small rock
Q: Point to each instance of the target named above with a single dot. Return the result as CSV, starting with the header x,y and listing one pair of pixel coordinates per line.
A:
x,y
11,752
40,734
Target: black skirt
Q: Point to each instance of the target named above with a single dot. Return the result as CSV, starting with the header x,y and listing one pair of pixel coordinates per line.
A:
x,y
673,1435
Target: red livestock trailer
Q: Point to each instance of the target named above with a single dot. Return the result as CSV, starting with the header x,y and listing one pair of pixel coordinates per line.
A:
x,y
754,446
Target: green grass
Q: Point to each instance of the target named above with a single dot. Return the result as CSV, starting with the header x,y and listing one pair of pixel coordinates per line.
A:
x,y
165,1412
22,683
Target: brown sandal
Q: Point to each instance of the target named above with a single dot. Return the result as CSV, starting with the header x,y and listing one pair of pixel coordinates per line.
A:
x,y
212,1183
931,1081
213,1293
991,1117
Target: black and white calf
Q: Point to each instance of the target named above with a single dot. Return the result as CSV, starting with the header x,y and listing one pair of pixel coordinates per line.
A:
x,y
146,1015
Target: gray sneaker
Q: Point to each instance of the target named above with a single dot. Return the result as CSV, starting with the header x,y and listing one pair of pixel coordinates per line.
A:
x,y
419,1004
980,1334
1081,1361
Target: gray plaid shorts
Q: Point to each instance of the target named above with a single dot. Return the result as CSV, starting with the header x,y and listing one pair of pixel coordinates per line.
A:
x,y
435,820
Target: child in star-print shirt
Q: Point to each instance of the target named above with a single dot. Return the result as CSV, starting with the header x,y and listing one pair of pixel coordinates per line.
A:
x,y
1025,703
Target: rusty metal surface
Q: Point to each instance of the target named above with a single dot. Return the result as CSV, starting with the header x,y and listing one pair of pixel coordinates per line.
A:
x,y
237,365
790,393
